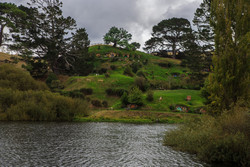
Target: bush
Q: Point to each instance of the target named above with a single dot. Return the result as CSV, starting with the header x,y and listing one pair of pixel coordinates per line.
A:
x,y
96,103
13,78
223,139
150,96
113,67
141,83
51,77
141,74
73,94
115,92
124,99
135,96
86,91
39,106
136,66
102,70
166,65
107,75
105,103
128,71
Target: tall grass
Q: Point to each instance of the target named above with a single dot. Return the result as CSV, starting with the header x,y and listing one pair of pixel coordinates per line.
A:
x,y
225,139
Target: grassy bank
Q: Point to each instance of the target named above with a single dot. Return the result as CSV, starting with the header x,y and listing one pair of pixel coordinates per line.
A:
x,y
136,116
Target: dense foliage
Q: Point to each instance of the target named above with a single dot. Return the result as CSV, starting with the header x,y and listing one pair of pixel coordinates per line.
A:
x,y
216,140
43,33
169,34
23,98
230,79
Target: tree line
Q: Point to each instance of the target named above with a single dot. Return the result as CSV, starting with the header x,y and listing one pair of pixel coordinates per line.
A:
x,y
40,29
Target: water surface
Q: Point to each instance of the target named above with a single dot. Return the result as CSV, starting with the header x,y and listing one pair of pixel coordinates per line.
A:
x,y
88,144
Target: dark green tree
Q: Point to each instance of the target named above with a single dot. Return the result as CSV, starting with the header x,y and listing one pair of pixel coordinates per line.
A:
x,y
79,59
10,15
169,34
117,36
204,31
44,33
229,82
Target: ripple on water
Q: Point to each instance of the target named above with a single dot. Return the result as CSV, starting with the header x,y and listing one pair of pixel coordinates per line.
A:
x,y
88,144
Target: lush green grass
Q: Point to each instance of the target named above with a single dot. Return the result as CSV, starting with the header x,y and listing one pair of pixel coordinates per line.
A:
x,y
175,97
106,49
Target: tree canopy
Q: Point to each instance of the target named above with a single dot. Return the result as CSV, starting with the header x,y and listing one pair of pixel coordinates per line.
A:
x,y
169,34
10,15
117,36
44,33
229,81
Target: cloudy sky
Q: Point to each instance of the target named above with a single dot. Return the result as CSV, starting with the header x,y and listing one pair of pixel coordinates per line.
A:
x,y
136,16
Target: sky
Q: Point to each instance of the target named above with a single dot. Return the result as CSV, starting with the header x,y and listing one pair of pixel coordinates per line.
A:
x,y
136,16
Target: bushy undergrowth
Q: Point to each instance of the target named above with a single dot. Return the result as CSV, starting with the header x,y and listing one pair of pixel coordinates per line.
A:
x,y
16,79
225,139
38,106
24,99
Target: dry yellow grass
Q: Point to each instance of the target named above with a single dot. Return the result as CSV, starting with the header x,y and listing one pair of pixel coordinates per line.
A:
x,y
5,56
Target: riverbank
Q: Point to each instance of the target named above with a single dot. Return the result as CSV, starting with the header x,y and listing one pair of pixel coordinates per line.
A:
x,y
136,116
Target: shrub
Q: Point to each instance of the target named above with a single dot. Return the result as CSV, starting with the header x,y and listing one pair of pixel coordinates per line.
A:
x,y
141,83
40,106
128,71
141,74
105,103
113,67
150,96
223,139
51,77
124,99
107,75
96,103
13,78
86,91
136,66
74,94
166,65
115,92
102,70
135,96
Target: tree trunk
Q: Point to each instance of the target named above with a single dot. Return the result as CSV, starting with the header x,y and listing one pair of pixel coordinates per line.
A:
x,y
115,44
174,50
1,34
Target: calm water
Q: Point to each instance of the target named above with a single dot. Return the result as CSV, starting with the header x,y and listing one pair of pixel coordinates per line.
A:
x,y
88,144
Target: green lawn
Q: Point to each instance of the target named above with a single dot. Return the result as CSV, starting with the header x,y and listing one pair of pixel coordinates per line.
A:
x,y
175,97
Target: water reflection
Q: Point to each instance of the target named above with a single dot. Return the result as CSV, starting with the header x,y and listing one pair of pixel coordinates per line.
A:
x,y
88,144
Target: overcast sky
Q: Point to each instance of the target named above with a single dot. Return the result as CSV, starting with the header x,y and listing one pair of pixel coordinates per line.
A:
x,y
136,16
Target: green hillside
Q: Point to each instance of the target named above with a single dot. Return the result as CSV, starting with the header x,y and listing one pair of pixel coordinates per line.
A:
x,y
164,76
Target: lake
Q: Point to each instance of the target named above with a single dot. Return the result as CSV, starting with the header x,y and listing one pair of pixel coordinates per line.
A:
x,y
88,144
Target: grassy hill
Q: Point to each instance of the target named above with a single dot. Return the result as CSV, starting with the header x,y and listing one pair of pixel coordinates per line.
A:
x,y
165,77
162,75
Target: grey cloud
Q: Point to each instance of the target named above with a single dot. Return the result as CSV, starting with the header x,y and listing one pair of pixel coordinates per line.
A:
x,y
136,16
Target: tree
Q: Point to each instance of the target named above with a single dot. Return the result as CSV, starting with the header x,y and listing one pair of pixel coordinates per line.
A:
x,y
229,81
135,45
10,14
44,33
204,32
82,61
117,36
135,96
170,33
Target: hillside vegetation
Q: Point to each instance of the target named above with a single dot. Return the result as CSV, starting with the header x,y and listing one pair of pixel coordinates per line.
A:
x,y
118,69
24,99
